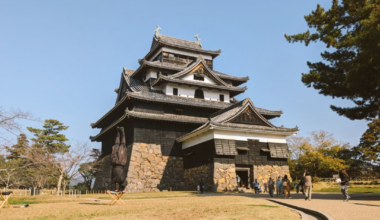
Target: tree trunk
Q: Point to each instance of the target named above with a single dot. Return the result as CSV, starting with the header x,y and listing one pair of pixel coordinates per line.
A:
x,y
59,184
64,187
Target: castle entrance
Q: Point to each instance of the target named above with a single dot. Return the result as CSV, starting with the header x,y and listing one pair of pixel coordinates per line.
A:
x,y
244,174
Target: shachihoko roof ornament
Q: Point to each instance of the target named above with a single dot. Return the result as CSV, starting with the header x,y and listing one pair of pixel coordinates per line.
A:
x,y
198,40
157,33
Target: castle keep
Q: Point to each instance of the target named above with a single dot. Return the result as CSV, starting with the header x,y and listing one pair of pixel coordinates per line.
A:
x,y
183,124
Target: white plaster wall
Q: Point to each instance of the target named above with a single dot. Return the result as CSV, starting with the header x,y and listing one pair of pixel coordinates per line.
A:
x,y
207,79
241,136
197,140
150,74
233,135
186,91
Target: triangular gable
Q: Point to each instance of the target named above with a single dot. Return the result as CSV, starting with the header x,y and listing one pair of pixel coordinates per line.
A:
x,y
197,67
248,116
242,112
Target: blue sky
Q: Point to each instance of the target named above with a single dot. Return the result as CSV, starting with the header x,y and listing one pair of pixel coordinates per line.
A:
x,y
63,59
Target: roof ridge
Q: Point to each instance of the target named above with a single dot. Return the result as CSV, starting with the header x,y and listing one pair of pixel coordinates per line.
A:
x,y
161,35
226,109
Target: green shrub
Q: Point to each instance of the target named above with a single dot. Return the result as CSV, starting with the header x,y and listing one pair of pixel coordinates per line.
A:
x,y
316,179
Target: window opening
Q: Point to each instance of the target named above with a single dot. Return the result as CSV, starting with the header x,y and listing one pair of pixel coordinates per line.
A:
x,y
221,98
175,91
199,94
198,77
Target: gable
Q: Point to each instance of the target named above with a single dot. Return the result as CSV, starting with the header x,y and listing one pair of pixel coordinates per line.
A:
x,y
201,74
248,116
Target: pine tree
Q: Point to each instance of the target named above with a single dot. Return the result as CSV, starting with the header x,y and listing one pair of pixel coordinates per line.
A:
x,y
50,138
18,151
351,67
370,142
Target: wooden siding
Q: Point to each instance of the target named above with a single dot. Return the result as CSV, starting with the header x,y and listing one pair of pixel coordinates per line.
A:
x,y
199,155
163,133
248,117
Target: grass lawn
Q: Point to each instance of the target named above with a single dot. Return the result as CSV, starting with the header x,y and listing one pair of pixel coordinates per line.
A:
x,y
160,205
354,188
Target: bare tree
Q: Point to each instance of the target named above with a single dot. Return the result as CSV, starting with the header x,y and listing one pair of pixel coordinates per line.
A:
x,y
68,164
298,146
10,123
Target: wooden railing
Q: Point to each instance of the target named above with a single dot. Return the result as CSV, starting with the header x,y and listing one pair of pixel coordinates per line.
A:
x,y
355,179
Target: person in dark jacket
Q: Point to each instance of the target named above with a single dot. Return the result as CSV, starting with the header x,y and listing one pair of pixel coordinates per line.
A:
x,y
202,185
119,160
271,186
344,184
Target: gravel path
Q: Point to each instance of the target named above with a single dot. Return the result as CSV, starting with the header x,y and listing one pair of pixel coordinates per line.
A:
x,y
332,204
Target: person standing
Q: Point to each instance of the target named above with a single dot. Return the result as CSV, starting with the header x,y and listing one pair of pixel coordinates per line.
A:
x,y
344,184
255,186
238,180
265,186
198,188
279,186
297,188
271,186
286,186
307,186
202,185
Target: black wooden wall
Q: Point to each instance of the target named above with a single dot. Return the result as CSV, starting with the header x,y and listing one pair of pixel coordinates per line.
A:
x,y
199,155
163,133
254,156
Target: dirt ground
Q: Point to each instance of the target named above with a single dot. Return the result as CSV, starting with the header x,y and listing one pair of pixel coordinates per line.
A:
x,y
151,206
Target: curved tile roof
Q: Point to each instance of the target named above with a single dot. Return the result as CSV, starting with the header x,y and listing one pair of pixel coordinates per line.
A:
x,y
163,40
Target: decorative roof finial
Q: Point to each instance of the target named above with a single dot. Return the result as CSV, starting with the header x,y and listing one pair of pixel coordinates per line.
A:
x,y
198,40
156,32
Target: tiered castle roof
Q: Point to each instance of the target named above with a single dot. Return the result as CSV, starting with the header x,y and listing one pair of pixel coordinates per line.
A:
x,y
134,87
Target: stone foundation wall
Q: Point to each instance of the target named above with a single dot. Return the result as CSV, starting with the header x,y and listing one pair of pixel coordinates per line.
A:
x,y
262,173
193,176
224,177
149,171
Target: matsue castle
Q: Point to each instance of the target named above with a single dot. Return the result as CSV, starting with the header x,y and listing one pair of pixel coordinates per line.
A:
x,y
183,124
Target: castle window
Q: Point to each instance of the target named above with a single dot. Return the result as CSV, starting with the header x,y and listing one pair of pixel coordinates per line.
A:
x,y
199,94
175,91
199,77
221,98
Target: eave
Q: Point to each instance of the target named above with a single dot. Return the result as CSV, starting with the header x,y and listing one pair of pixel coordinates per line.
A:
x,y
159,44
152,116
233,90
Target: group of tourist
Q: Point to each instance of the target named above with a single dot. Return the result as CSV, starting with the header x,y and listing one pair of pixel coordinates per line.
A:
x,y
281,185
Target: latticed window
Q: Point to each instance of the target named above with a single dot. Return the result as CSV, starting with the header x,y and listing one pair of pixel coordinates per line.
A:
x,y
199,77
